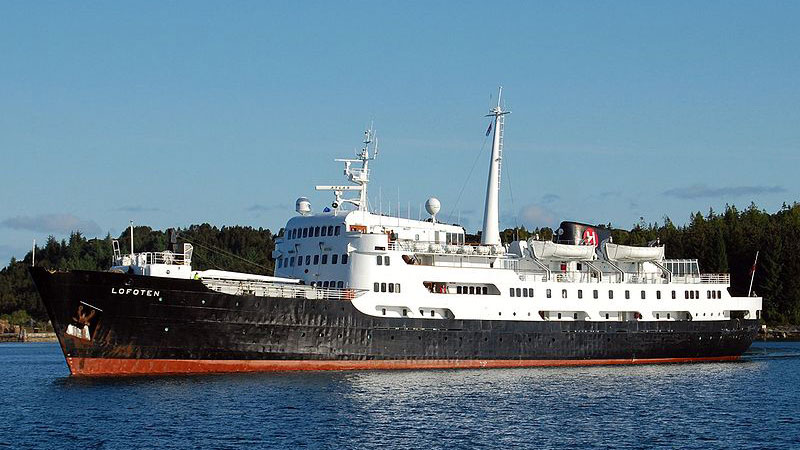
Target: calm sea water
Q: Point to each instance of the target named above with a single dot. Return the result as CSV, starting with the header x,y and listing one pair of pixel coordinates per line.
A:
x,y
754,403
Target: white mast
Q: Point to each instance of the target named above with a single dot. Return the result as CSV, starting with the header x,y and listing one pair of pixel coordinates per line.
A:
x,y
131,238
491,226
358,176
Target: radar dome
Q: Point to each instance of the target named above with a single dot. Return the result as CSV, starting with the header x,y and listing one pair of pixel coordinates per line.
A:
x,y
433,206
302,206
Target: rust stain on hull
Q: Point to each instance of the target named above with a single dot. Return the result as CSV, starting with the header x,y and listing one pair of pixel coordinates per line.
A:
x,y
122,367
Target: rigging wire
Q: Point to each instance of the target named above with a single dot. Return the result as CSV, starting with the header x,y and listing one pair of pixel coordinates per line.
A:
x,y
461,192
227,253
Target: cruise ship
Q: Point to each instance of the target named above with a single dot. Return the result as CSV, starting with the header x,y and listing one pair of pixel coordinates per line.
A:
x,y
354,289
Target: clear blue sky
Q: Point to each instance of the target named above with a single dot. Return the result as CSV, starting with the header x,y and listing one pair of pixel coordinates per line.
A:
x,y
173,113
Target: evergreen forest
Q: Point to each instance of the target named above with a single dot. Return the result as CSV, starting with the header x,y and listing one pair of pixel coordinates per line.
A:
x,y
722,242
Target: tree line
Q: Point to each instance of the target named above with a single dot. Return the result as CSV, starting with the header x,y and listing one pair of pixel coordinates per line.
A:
x,y
721,242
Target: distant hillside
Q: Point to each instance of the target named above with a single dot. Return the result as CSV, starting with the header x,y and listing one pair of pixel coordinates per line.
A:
x,y
722,242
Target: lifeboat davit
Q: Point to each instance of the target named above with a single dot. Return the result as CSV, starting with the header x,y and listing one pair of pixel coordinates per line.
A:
x,y
547,250
627,253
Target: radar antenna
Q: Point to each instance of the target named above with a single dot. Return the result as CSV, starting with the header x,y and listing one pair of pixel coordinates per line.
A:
x,y
359,176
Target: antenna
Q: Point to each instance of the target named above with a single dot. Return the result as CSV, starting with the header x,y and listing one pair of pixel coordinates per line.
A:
x,y
356,175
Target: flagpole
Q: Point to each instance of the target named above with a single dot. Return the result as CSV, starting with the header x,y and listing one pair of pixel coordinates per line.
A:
x,y
752,275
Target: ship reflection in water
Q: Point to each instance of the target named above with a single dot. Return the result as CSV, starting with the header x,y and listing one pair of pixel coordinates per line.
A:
x,y
745,404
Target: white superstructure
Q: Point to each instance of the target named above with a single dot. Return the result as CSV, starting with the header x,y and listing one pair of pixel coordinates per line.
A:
x,y
425,269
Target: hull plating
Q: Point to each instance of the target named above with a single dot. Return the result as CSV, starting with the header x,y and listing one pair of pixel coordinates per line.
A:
x,y
115,324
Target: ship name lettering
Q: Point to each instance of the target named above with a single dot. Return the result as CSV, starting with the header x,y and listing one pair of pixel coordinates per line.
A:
x,y
131,291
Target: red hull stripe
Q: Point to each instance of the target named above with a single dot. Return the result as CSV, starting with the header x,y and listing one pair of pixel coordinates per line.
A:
x,y
112,366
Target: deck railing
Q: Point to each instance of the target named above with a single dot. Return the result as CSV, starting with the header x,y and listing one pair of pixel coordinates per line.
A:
x,y
268,289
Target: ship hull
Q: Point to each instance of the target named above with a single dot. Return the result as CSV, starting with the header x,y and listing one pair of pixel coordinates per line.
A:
x,y
121,324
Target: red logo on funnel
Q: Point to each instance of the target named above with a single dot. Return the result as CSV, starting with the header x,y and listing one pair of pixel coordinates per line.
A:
x,y
590,237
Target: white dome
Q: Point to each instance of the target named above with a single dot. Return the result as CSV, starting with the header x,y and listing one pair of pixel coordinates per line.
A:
x,y
433,206
302,206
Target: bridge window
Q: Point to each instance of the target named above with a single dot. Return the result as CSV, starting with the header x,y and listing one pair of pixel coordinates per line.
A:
x,y
383,287
344,259
340,284
610,296
308,260
334,258
385,260
524,292
511,292
549,293
305,232
530,292
325,259
644,295
397,287
380,260
627,294
719,294
519,292
337,230
324,231
580,293
563,294
391,287
708,295
299,261
316,259
376,286
595,294
316,231
658,295
472,289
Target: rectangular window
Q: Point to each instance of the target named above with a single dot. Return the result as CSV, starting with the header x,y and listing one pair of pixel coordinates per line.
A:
x,y
397,288
334,258
627,294
375,286
316,259
385,260
658,295
610,294
719,294
708,295
580,293
305,232
391,288
383,287
673,295
458,289
325,259
519,292
308,260
472,289
291,261
643,295
595,294
344,259
563,293
340,284
549,293
484,290
524,292
316,231
324,231
575,316
511,291
380,260
325,284
299,261
337,230
686,294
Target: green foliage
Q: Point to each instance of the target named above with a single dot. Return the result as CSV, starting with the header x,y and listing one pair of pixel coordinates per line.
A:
x,y
228,248
722,242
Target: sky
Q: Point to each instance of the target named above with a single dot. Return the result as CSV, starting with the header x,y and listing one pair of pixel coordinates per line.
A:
x,y
176,113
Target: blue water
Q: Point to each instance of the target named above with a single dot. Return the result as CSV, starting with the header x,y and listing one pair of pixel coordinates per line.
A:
x,y
754,403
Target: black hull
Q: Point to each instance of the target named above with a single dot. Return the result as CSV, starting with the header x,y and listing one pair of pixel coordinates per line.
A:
x,y
170,320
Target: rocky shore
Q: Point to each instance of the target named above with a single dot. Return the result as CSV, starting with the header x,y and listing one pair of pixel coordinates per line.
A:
x,y
779,333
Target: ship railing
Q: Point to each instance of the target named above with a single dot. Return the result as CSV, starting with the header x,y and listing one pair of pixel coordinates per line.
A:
x,y
268,289
432,247
144,258
703,278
